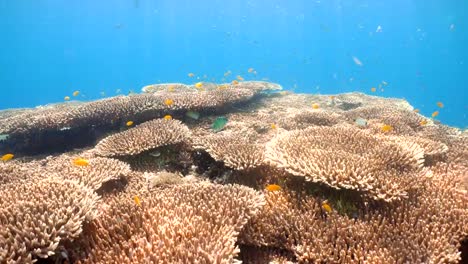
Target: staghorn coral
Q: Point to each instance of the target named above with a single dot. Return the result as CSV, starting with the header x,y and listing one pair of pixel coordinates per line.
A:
x,y
344,157
36,216
183,224
234,150
146,136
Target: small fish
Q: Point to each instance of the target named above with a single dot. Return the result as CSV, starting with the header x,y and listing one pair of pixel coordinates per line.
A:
x,y
219,123
360,122
235,82
226,74
171,88
357,61
440,104
191,75
416,110
379,29
199,85
118,91
273,126
373,89
436,113
386,128
167,117
7,157
326,206
332,97
137,200
102,94
452,27
222,87
251,70
423,122
272,187
66,98
129,123
384,83
155,154
168,102
81,162
193,115
315,106
76,93
239,78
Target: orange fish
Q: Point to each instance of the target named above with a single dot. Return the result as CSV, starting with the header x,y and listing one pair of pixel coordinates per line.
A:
x,y
250,70
332,97
240,78
373,89
191,75
315,106
7,157
416,110
168,102
137,200
440,104
423,122
81,162
326,206
129,123
436,113
386,128
273,187
273,126
168,117
235,82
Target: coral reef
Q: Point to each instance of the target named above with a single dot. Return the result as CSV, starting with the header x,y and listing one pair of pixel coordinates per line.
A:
x,y
286,178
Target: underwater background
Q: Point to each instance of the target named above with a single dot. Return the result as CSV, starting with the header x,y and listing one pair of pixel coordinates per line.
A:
x,y
51,48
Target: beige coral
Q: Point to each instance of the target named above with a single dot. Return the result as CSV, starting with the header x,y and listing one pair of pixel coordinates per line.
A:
x,y
345,157
146,136
189,223
36,216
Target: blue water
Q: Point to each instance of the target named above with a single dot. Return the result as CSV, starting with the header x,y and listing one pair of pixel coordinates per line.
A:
x,y
49,48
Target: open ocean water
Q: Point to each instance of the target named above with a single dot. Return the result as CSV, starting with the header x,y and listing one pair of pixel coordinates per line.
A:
x,y
50,48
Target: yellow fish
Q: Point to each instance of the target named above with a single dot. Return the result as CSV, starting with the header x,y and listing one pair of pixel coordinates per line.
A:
x,y
326,207
315,106
137,200
235,82
332,97
168,117
66,98
168,102
373,89
436,113
423,122
199,85
273,126
81,162
240,78
416,110
386,128
273,187
191,75
76,93
171,88
7,157
129,123
440,104
222,87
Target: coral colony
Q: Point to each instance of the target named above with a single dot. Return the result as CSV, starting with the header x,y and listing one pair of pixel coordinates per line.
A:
x,y
240,172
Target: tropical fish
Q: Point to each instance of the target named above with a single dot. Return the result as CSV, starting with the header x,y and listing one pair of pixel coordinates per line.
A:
x,y
273,126
235,82
379,29
129,123
193,115
168,102
239,78
373,89
171,88
199,85
384,83
326,206
226,74
191,75
440,104
102,94
416,110
423,122
7,157
155,153
386,128
76,93
272,187
137,200
436,113
357,61
315,106
81,162
66,98
167,117
250,70
360,122
219,123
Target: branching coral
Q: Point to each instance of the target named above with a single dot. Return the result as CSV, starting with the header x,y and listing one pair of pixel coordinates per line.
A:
x,y
35,217
196,223
148,135
343,157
